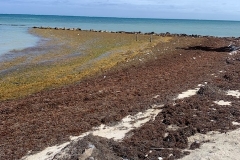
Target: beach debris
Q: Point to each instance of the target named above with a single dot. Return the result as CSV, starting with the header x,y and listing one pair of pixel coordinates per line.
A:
x,y
195,145
116,133
87,152
148,153
88,148
233,47
172,128
209,90
155,97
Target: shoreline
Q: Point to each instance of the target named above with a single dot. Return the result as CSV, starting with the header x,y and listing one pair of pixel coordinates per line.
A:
x,y
142,76
77,54
139,32
123,32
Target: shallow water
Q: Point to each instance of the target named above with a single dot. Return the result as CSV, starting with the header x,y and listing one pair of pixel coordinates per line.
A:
x,y
14,28
14,38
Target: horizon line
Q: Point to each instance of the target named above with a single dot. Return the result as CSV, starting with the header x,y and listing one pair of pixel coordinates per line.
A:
x,y
119,17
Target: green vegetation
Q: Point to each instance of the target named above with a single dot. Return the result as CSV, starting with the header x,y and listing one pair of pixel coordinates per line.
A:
x,y
71,56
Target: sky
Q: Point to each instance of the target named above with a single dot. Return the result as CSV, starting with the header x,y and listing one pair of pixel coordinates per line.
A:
x,y
169,9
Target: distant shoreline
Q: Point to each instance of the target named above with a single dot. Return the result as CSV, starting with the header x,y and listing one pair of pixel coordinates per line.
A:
x,y
134,32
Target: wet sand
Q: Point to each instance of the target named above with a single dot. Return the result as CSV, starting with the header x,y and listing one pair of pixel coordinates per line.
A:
x,y
192,82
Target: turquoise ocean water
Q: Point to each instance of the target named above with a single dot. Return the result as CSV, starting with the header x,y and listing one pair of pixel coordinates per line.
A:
x,y
14,28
